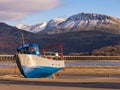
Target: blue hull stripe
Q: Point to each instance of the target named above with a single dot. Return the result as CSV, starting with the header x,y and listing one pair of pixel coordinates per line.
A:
x,y
39,72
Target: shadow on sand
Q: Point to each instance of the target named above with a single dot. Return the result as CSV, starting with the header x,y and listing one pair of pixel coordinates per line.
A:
x,y
105,85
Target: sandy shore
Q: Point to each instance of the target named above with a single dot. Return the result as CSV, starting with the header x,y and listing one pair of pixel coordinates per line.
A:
x,y
20,83
71,78
75,72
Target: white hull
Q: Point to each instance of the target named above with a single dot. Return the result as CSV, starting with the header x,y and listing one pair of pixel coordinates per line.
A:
x,y
33,66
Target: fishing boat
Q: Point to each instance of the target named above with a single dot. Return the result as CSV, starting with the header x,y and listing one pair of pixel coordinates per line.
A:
x,y
33,64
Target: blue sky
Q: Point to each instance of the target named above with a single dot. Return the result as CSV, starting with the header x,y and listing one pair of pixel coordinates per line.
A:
x,y
41,11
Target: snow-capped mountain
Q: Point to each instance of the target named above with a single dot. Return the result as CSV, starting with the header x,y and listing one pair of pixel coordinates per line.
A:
x,y
78,22
32,28
39,27
87,21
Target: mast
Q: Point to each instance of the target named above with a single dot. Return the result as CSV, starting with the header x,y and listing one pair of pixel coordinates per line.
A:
x,y
22,37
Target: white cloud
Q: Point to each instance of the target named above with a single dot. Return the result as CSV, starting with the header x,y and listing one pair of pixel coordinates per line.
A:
x,y
17,9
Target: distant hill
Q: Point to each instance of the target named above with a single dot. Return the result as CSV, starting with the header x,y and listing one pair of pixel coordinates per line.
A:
x,y
84,41
113,50
81,41
77,22
73,42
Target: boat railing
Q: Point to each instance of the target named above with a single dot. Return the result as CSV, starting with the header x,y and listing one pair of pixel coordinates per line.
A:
x,y
56,54
52,55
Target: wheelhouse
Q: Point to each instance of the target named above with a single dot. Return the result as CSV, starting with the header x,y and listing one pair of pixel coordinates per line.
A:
x,y
31,48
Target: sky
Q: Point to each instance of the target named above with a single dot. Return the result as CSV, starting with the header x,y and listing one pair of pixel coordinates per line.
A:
x,y
31,12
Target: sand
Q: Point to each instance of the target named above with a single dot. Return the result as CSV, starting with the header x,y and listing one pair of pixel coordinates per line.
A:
x,y
20,83
71,78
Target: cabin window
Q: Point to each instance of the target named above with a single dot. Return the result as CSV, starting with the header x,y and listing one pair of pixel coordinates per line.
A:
x,y
31,49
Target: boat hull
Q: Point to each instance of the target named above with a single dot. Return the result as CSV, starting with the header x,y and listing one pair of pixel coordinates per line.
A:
x,y
32,66
39,72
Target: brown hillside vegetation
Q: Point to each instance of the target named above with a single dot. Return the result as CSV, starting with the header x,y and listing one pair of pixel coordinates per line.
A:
x,y
107,51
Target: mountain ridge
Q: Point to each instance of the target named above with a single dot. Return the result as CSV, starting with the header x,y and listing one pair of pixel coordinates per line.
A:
x,y
82,21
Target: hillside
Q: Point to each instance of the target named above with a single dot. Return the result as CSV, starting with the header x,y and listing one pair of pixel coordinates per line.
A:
x,y
83,41
113,50
73,42
10,38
